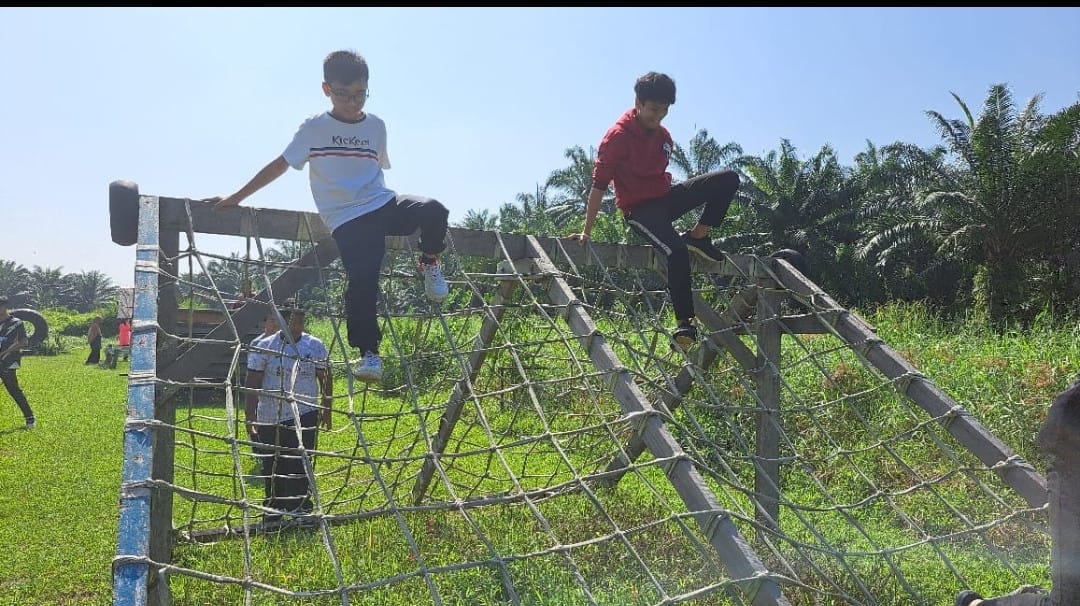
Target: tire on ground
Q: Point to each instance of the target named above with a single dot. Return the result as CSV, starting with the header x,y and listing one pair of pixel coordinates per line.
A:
x,y
33,318
124,212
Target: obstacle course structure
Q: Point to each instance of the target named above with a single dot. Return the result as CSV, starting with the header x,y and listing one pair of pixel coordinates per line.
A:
x,y
537,439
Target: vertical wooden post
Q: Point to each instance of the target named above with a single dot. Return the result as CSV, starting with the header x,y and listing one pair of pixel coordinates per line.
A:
x,y
163,465
1059,439
767,434
463,389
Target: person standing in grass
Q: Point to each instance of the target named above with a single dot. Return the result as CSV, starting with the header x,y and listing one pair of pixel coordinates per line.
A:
x,y
12,341
270,328
93,337
285,377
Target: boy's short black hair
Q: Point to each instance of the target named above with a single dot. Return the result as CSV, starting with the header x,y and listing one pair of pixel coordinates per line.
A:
x,y
344,67
656,87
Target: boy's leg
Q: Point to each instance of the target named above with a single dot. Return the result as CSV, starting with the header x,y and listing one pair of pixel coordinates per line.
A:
x,y
11,383
362,243
715,190
407,213
653,222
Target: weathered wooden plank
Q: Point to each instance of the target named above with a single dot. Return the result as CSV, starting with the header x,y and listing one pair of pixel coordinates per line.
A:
x,y
307,226
715,522
767,417
720,336
1012,469
463,389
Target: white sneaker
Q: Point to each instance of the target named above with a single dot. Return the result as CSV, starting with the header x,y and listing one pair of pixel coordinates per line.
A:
x,y
435,286
369,368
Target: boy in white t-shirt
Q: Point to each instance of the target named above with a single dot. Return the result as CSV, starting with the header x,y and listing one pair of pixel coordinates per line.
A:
x,y
345,151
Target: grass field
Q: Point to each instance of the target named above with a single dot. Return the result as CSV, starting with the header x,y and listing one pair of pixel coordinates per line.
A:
x,y
59,482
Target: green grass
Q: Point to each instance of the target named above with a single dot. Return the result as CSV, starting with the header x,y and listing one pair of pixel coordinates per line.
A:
x,y
59,483
59,487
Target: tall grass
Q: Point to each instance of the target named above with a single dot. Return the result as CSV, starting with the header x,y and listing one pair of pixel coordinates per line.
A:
x,y
59,492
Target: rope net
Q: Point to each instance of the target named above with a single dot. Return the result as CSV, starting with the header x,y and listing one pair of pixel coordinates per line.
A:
x,y
502,459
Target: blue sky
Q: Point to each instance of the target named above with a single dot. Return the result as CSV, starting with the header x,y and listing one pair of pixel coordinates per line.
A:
x,y
480,104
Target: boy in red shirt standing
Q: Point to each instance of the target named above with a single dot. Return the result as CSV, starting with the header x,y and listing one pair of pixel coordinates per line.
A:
x,y
634,153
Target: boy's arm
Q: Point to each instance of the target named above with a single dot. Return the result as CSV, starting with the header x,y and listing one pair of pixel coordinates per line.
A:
x,y
592,208
264,177
608,156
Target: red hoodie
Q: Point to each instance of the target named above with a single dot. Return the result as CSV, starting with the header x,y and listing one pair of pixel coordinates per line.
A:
x,y
636,159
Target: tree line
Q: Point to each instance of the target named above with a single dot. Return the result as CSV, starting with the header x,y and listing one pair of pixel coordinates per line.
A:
x,y
986,222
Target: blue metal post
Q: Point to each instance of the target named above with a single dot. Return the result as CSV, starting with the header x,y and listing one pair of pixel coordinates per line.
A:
x,y
131,567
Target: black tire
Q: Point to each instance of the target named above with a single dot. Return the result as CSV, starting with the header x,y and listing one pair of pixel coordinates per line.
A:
x,y
41,327
124,212
794,257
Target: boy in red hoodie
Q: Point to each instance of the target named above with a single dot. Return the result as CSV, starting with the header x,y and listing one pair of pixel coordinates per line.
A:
x,y
634,153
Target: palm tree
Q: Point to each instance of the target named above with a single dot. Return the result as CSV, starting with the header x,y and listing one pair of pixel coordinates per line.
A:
x,y
530,215
479,220
48,288
1007,201
902,253
810,206
704,155
571,186
89,290
14,279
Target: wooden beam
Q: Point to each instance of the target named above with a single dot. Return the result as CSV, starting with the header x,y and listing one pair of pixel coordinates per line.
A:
x,y
720,337
1014,471
463,388
767,418
245,319
307,226
715,522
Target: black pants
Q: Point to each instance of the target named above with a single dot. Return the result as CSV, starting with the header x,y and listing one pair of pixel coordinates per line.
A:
x,y
95,351
284,478
11,383
653,220
362,243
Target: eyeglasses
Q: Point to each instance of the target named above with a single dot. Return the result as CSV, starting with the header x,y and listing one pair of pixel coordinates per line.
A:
x,y
347,96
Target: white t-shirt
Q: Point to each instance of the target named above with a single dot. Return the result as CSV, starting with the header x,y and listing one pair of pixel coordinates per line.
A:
x,y
277,361
347,162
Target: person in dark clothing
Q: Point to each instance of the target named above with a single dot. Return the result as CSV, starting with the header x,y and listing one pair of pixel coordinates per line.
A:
x,y
93,337
12,341
634,153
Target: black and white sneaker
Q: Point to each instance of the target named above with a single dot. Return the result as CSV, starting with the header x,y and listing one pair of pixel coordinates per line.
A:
x,y
703,247
685,335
